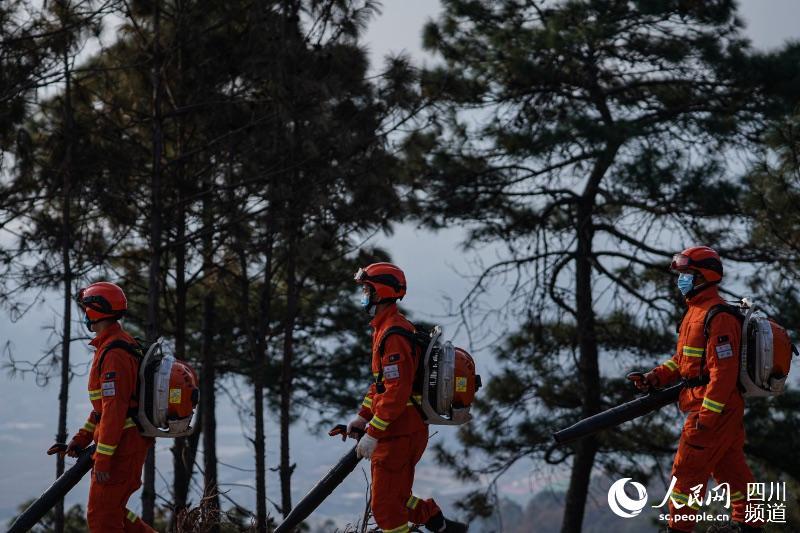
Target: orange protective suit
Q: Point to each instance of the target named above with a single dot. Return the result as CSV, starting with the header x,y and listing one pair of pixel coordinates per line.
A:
x,y
395,422
121,450
712,439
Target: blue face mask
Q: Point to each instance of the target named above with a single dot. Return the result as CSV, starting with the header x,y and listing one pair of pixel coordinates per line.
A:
x,y
87,322
685,283
364,300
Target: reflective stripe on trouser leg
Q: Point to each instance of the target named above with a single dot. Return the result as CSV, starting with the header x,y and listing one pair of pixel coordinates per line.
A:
x,y
399,529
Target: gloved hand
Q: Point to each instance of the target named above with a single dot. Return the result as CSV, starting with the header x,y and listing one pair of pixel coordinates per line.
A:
x,y
57,448
366,446
643,382
358,423
72,449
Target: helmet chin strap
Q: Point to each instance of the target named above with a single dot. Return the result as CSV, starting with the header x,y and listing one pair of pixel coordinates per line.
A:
x,y
89,323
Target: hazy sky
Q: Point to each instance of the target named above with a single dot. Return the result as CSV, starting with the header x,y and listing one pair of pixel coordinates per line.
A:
x,y
28,413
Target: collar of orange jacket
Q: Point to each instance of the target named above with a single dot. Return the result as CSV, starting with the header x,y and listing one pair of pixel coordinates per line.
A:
x,y
383,315
702,297
108,332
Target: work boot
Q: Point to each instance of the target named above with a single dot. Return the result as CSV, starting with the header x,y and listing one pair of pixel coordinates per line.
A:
x,y
439,524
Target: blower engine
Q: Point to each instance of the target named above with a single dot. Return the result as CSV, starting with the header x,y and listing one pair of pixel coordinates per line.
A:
x,y
449,382
168,394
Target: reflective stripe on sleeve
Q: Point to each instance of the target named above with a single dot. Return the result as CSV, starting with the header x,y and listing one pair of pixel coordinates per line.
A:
x,y
95,394
671,365
88,426
711,405
379,424
367,402
691,351
129,423
412,502
131,516
105,449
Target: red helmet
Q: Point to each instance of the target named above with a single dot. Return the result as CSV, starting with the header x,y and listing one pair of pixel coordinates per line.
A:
x,y
103,300
700,259
386,280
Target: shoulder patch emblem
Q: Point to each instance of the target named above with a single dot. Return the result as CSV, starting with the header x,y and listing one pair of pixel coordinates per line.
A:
x,y
724,351
394,357
391,372
110,375
722,338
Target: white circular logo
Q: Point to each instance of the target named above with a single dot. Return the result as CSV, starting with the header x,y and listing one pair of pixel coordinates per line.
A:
x,y
621,504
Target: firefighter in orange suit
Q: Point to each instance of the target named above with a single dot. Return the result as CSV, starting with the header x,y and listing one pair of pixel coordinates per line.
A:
x,y
712,440
396,435
121,450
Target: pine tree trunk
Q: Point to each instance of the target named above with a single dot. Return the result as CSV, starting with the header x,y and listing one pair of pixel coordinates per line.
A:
x,y
286,468
208,372
258,387
184,449
181,470
66,245
589,377
588,365
154,278
208,401
288,27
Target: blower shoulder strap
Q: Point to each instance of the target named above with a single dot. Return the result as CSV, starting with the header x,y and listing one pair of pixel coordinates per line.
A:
x,y
418,347
406,334
710,314
716,310
134,349
396,330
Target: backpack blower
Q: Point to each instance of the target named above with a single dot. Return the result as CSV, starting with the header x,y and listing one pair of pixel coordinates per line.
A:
x,y
448,382
168,394
167,397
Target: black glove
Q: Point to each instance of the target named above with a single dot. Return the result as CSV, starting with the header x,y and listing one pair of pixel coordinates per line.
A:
x,y
59,448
